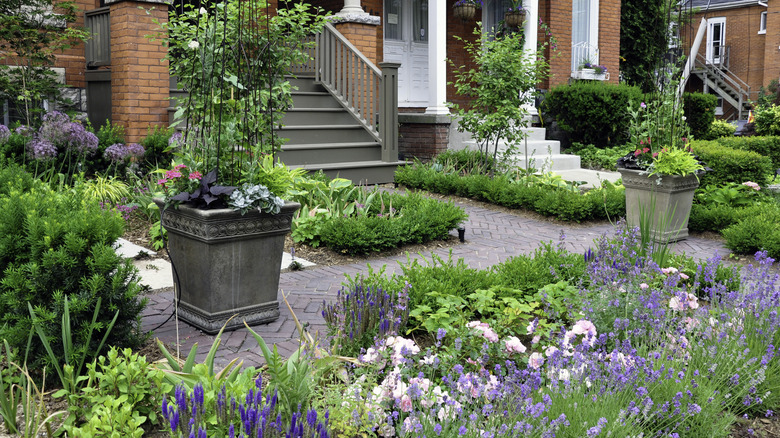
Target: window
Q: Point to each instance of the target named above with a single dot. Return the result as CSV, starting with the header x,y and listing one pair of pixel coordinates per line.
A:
x,y
762,25
493,13
716,41
584,33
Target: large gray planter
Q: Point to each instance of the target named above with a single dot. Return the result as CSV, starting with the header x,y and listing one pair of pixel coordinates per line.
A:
x,y
670,196
227,264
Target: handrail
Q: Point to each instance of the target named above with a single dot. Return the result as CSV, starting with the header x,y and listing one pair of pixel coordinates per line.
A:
x,y
350,77
736,83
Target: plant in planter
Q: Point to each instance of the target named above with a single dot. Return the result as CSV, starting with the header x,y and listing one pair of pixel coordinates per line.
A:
x,y
466,9
226,232
515,14
662,172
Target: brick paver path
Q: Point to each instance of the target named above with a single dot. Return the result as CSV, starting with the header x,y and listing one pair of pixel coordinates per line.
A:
x,y
491,238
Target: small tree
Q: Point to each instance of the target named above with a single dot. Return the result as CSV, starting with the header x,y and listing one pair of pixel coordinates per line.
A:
x,y
31,33
500,86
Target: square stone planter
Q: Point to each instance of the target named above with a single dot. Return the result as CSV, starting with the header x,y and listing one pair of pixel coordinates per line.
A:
x,y
672,197
226,264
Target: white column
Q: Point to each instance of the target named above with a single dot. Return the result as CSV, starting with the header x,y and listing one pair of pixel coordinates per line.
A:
x,y
351,8
437,58
530,29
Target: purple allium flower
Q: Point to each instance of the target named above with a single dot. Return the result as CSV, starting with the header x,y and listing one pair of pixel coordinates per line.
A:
x,y
5,133
24,130
176,140
81,140
116,152
40,149
55,128
135,150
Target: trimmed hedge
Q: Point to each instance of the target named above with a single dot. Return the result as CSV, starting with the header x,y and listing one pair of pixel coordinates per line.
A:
x,y
731,165
699,111
759,229
562,204
768,146
592,113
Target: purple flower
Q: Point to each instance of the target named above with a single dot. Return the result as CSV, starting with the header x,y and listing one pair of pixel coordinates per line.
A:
x,y
5,133
40,149
81,140
55,128
116,152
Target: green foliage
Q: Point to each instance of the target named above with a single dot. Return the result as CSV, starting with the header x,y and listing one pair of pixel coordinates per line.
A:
x,y
731,194
768,120
419,219
548,264
715,218
499,85
32,32
279,178
759,231
119,375
719,129
465,160
592,112
699,112
642,41
731,165
544,196
599,158
55,245
768,146
157,236
155,144
113,418
676,162
101,188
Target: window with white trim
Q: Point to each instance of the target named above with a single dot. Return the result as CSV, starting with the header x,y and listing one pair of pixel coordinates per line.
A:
x,y
762,24
584,33
493,13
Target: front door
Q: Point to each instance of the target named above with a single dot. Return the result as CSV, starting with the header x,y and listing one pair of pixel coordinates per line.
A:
x,y
406,41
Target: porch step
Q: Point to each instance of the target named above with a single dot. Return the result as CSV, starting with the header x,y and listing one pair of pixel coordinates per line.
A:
x,y
542,154
546,162
314,134
314,99
323,153
304,83
320,116
359,172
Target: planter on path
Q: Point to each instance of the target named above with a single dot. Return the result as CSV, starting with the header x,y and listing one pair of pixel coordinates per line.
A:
x,y
670,197
226,264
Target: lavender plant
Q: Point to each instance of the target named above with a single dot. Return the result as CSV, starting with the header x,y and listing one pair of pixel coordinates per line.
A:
x,y
362,313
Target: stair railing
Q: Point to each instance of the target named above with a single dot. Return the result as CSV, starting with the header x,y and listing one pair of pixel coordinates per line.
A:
x,y
733,82
366,91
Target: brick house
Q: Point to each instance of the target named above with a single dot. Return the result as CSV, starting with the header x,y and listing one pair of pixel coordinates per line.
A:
x,y
121,62
737,51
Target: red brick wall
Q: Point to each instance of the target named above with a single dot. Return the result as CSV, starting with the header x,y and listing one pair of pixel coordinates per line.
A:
x,y
455,48
139,74
609,38
363,37
751,55
423,141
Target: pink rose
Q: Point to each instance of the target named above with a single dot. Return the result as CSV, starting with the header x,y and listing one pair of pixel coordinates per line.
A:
x,y
536,360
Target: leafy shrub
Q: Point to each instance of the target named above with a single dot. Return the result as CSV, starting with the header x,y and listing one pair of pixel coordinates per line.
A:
x,y
53,245
768,120
548,264
156,145
759,231
768,146
699,111
465,160
599,158
714,218
419,220
592,113
731,165
545,197
718,129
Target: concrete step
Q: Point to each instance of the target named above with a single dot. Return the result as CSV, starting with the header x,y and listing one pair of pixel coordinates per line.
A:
x,y
314,99
319,116
314,134
535,147
535,133
323,153
359,172
554,162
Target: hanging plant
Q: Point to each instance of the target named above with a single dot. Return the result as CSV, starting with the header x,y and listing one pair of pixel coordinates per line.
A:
x,y
515,15
466,10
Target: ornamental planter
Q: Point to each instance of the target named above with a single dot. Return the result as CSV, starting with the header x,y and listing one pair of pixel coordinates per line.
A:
x,y
226,264
672,196
465,12
590,74
514,18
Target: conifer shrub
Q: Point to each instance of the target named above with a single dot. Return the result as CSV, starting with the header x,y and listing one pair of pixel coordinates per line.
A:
x,y
55,244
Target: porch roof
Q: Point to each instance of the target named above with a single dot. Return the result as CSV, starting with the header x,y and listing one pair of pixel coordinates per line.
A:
x,y
714,5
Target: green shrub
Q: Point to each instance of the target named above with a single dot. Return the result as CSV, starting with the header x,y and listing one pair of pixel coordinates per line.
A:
x,y
53,245
465,160
731,165
548,264
156,146
592,113
768,120
758,231
418,219
768,146
715,218
699,111
599,158
718,129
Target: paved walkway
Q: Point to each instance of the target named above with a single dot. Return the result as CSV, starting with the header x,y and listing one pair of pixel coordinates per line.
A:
x,y
491,238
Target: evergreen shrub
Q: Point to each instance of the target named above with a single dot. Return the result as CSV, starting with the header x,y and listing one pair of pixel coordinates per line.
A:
x,y
767,145
592,113
56,244
731,165
699,109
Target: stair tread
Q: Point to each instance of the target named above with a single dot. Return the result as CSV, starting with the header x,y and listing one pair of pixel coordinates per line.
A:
x,y
350,164
327,110
321,127
310,93
346,144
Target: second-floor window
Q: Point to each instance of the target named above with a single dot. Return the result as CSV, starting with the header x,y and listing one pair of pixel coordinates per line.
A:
x,y
584,32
